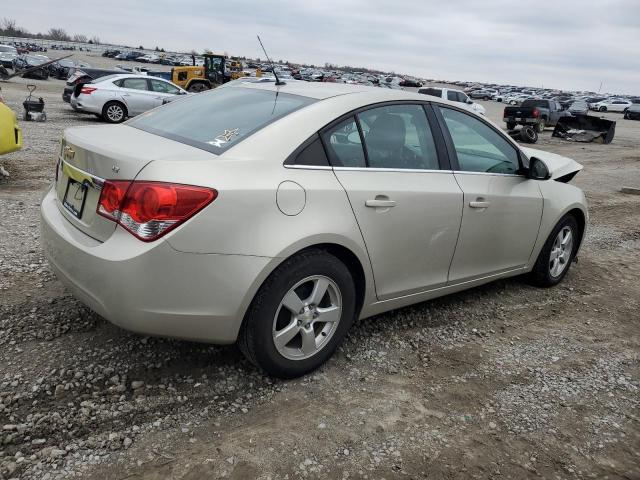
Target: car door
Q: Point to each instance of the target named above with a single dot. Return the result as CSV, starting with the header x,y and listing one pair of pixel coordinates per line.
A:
x,y
135,93
162,91
502,208
406,202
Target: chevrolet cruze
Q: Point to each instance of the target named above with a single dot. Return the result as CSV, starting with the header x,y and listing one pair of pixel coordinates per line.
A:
x,y
275,215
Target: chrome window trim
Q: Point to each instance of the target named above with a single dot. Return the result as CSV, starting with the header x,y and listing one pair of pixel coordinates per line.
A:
x,y
489,173
366,169
308,167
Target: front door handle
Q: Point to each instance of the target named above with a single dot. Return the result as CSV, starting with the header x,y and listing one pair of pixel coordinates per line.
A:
x,y
377,203
479,204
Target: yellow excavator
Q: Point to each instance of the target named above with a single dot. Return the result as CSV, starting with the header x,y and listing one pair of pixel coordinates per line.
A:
x,y
217,69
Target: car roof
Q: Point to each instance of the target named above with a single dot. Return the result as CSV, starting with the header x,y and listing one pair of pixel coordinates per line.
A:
x,y
322,90
117,76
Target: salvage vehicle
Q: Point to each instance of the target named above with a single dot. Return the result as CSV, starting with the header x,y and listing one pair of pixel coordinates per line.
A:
x,y
453,96
27,61
276,215
7,54
10,131
62,68
84,75
483,94
538,112
611,105
116,97
632,112
217,70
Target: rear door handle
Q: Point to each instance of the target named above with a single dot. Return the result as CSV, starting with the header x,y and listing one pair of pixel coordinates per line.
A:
x,y
479,204
380,203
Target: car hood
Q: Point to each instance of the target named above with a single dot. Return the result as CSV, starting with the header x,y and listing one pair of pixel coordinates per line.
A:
x,y
558,165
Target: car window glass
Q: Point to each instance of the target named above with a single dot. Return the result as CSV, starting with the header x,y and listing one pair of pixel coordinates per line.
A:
x,y
478,147
462,97
343,144
398,136
313,154
163,87
135,83
453,96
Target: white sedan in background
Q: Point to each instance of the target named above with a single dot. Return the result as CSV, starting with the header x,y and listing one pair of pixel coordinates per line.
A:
x,y
116,97
616,105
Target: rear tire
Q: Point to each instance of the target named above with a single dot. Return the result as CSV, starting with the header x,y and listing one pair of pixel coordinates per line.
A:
x,y
528,134
602,109
306,340
114,112
198,87
555,258
541,126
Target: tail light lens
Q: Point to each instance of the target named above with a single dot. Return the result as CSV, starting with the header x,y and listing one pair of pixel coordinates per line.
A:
x,y
536,113
88,90
149,210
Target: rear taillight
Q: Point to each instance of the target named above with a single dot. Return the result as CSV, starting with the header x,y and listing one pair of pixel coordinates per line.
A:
x,y
88,90
148,210
536,113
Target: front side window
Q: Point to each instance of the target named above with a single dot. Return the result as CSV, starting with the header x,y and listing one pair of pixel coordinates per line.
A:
x,y
453,96
163,87
478,147
398,136
343,144
135,83
219,119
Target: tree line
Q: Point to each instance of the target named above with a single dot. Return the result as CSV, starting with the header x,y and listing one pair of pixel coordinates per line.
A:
x,y
10,28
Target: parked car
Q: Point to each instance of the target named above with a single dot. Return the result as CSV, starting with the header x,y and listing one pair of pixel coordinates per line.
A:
x,y
26,61
111,53
579,107
616,105
455,96
538,112
632,112
410,82
483,94
62,68
154,225
149,58
79,76
7,55
116,97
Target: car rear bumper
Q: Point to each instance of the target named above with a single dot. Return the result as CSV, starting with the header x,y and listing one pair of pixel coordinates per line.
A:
x,y
151,288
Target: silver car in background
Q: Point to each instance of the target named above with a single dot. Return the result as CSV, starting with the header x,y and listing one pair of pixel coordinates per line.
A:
x,y
276,215
116,97
7,54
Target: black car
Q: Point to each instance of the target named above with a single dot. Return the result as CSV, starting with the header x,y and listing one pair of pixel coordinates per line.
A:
x,y
62,68
78,75
408,82
26,61
632,112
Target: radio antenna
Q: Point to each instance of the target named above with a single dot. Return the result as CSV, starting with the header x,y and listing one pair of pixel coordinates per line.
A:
x,y
273,68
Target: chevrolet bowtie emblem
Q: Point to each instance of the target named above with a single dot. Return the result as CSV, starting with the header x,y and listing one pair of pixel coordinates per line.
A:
x,y
68,153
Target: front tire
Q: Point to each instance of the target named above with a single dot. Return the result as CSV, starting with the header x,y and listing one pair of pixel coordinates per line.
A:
x,y
114,112
602,109
300,315
541,126
556,255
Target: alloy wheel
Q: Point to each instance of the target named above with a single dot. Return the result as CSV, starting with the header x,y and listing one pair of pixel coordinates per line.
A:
x,y
561,252
115,113
307,317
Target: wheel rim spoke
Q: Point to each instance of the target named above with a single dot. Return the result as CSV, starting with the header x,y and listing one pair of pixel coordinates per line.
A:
x,y
328,315
561,251
284,336
292,301
308,341
319,290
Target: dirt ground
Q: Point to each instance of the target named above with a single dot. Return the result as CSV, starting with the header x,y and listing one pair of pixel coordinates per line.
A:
x,y
505,381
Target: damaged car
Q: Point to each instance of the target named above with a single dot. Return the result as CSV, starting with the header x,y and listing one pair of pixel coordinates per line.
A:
x,y
275,215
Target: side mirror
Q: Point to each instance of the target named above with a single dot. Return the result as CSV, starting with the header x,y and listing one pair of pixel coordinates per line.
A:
x,y
538,170
469,101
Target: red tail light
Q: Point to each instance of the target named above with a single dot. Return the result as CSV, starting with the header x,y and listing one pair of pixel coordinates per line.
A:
x,y
536,113
88,90
148,210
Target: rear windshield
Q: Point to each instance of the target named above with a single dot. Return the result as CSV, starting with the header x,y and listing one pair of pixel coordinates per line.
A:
x,y
216,121
535,103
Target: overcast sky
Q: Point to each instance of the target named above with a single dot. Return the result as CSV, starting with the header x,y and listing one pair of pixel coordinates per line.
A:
x,y
570,44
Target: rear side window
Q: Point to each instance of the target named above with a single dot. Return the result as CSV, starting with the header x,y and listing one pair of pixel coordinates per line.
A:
x,y
135,83
217,120
436,92
344,147
312,155
399,137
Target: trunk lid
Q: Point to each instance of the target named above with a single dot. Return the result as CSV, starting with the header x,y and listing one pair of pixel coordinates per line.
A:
x,y
90,155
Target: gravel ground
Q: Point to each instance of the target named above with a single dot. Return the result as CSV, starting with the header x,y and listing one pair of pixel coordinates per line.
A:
x,y
502,381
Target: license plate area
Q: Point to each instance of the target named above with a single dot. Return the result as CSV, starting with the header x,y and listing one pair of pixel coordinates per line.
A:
x,y
75,197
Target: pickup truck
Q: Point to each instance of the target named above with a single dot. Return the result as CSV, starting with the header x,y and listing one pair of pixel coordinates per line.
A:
x,y
538,112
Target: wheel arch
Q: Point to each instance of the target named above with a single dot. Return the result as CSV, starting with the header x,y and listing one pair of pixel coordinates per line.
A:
x,y
358,266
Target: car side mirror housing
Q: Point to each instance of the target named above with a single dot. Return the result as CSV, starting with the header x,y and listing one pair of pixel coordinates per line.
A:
x,y
469,101
538,170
